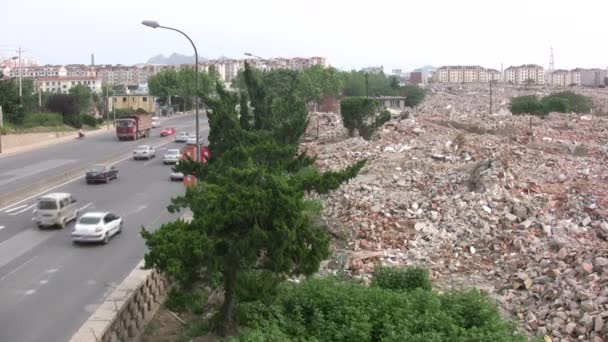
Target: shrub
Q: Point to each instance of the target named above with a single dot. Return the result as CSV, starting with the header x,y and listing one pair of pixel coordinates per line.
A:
x,y
414,95
42,119
123,112
183,301
257,285
361,113
578,103
88,120
553,103
327,309
526,105
395,278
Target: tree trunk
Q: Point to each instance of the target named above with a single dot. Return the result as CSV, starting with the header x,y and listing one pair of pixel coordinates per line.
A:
x,y
229,283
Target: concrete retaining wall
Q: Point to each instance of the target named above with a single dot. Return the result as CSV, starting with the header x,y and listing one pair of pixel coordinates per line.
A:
x,y
12,141
125,312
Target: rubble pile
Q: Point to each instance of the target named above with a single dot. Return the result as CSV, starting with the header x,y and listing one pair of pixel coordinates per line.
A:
x,y
513,205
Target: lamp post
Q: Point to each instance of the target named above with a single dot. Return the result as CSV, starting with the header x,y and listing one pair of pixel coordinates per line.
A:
x,y
155,24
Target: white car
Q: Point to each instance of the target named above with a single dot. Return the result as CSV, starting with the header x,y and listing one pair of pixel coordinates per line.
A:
x,y
181,137
191,141
172,156
175,175
96,227
155,122
144,152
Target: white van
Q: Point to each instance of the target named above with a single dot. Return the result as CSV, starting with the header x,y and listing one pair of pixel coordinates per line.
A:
x,y
155,122
56,209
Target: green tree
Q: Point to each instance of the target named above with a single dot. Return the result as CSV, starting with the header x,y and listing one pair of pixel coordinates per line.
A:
x,y
414,95
577,103
528,104
83,96
9,100
393,82
164,85
552,103
362,114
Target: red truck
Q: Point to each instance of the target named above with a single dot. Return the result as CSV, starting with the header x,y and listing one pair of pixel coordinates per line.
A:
x,y
134,126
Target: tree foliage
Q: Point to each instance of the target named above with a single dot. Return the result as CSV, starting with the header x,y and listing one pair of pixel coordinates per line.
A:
x,y
249,210
362,114
414,95
9,100
562,102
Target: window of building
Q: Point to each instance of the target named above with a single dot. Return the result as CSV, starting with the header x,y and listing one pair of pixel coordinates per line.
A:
x,y
134,99
144,99
124,99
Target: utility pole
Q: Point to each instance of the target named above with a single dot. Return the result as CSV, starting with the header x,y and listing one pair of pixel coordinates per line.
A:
x,y
20,72
366,83
107,105
39,98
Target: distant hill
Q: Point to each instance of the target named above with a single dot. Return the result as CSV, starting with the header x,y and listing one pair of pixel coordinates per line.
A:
x,y
426,68
174,59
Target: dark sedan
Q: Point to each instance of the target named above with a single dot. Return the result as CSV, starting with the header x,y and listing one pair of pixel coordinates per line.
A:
x,y
101,173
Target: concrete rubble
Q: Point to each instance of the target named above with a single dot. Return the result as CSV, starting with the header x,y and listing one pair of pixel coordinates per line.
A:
x,y
516,206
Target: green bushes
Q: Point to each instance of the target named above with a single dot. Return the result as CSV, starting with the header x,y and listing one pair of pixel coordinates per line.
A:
x,y
327,309
88,120
42,119
562,102
361,113
393,278
526,105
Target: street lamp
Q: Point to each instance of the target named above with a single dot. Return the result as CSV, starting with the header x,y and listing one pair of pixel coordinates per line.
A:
x,y
155,24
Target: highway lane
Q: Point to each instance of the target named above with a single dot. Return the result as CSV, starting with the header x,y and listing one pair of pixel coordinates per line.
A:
x,y
19,170
48,286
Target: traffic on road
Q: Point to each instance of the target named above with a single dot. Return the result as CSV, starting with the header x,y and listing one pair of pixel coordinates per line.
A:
x,y
78,237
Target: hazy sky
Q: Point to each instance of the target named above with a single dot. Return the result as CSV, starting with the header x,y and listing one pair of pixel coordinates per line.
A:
x,y
351,34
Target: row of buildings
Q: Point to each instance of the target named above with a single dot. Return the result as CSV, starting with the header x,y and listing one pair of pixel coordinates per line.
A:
x,y
60,78
522,74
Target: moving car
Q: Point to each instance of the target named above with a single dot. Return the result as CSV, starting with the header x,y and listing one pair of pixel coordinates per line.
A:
x,y
172,156
167,132
96,227
144,152
191,141
181,137
101,173
155,122
175,175
55,209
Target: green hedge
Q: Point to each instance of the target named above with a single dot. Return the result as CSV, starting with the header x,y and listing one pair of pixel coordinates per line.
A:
x,y
562,102
42,119
328,309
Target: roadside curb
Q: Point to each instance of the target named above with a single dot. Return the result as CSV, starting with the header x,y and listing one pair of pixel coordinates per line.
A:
x,y
126,311
71,136
26,192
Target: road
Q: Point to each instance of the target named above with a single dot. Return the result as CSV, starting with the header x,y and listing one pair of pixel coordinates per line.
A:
x,y
22,169
48,286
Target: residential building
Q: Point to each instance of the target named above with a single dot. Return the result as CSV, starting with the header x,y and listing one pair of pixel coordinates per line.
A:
x,y
54,84
524,74
80,70
39,71
560,78
416,77
464,74
134,101
391,102
593,77
374,69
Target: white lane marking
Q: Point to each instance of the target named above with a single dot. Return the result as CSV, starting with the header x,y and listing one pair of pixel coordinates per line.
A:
x,y
23,210
52,270
72,180
30,292
85,206
33,219
15,208
43,281
2,227
18,267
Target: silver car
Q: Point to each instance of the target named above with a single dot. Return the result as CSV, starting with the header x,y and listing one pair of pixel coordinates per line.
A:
x,y
172,156
181,137
144,152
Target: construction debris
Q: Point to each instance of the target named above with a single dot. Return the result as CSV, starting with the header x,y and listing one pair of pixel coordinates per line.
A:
x,y
514,205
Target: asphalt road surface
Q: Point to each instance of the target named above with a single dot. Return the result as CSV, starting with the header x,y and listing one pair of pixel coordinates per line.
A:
x,y
19,170
48,286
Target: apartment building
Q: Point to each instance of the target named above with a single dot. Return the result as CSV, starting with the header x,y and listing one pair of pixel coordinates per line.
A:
x,y
39,71
560,78
63,84
465,74
373,69
524,74
593,77
134,101
80,70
